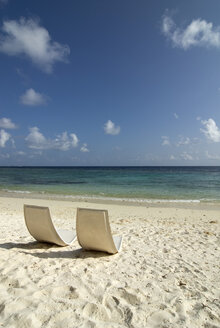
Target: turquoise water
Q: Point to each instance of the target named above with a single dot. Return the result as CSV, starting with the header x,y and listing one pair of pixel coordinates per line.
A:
x,y
141,183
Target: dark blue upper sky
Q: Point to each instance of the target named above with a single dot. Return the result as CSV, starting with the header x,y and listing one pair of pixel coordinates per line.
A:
x,y
115,82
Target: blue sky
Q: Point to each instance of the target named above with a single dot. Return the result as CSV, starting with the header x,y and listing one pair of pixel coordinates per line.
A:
x,y
115,82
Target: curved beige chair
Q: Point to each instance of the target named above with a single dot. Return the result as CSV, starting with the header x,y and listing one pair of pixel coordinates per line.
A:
x,y
94,232
40,226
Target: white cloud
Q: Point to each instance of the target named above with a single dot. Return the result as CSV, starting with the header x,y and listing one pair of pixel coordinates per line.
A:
x,y
20,153
32,98
6,123
175,115
13,143
184,141
186,156
63,141
75,139
209,156
211,130
36,153
5,156
27,37
172,158
111,128
36,139
197,33
166,141
84,148
4,137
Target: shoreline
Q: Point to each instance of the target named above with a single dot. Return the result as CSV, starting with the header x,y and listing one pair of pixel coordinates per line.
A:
x,y
183,203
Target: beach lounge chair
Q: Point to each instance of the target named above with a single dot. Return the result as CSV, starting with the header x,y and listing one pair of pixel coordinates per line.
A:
x,y
40,226
94,232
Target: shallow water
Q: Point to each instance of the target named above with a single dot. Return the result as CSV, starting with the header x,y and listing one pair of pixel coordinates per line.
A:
x,y
134,183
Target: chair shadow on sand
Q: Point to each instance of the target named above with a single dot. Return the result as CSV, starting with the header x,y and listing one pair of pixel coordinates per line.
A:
x,y
69,254
28,245
60,253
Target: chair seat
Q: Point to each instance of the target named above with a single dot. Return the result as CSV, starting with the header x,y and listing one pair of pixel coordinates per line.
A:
x,y
67,235
41,227
94,232
118,242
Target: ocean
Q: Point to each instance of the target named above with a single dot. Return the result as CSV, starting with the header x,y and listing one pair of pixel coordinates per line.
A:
x,y
139,184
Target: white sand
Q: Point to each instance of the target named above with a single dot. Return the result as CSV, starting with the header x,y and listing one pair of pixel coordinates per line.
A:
x,y
167,274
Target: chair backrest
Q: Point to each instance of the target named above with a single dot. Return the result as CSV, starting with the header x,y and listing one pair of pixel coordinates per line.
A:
x,y
93,230
40,225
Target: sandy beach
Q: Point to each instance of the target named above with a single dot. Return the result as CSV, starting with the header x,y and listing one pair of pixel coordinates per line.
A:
x,y
167,274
